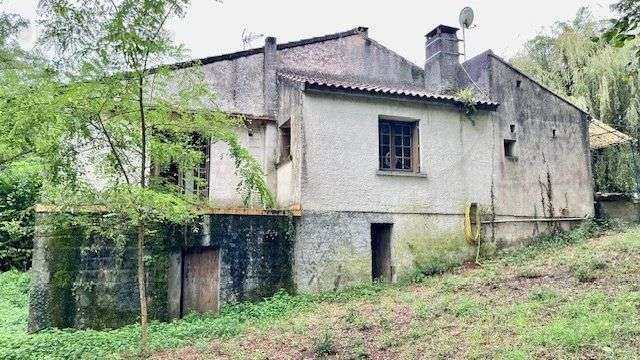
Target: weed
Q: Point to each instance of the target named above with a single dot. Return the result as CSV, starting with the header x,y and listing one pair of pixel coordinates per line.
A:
x,y
584,274
358,321
543,295
324,345
530,273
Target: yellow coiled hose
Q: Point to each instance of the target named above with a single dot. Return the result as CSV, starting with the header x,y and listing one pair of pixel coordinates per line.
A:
x,y
471,211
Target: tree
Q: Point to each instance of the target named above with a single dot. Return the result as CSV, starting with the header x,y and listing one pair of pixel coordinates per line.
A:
x,y
140,119
34,135
593,75
625,29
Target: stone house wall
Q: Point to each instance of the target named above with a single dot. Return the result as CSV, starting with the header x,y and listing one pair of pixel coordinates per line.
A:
x,y
86,279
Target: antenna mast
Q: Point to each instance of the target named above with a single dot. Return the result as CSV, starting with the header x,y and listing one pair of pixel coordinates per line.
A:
x,y
466,19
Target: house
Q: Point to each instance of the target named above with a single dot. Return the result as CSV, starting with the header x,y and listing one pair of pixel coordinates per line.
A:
x,y
374,162
381,156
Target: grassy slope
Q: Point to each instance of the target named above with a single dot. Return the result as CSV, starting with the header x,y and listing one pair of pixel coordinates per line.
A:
x,y
552,300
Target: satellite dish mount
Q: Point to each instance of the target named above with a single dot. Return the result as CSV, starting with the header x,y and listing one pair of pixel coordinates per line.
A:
x,y
466,20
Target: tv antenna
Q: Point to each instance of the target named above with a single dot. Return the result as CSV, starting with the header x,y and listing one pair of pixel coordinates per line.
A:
x,y
466,20
248,38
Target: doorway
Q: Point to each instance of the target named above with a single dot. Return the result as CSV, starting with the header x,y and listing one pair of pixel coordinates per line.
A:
x,y
200,280
381,252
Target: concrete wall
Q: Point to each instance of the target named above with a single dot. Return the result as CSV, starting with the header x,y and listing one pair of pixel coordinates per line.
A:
x,y
461,160
354,56
618,207
259,137
83,279
343,192
340,164
551,176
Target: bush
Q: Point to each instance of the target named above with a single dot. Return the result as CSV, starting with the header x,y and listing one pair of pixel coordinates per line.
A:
x,y
324,345
19,190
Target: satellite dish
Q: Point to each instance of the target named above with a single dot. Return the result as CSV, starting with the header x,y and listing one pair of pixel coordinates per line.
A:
x,y
466,17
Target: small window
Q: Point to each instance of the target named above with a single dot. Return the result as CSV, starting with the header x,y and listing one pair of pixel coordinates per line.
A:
x,y
397,148
518,83
285,142
553,133
509,148
512,128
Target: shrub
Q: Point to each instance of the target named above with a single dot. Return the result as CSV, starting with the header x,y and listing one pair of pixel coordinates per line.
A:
x,y
324,345
19,189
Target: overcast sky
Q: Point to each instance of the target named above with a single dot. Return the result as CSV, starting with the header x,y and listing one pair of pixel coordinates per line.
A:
x,y
212,28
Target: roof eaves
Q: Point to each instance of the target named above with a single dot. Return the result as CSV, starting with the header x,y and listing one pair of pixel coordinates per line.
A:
x,y
325,86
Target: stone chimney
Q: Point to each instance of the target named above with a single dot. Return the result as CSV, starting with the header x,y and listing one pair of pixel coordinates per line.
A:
x,y
441,66
269,81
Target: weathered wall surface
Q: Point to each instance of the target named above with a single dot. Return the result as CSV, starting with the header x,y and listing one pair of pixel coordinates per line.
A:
x,y
333,249
618,207
260,139
551,175
340,164
83,279
461,161
288,169
354,56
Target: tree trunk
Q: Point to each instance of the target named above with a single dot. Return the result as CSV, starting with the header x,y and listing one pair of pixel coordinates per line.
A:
x,y
144,326
142,289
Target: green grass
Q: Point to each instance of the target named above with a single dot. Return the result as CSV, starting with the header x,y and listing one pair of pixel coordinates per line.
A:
x,y
525,303
123,342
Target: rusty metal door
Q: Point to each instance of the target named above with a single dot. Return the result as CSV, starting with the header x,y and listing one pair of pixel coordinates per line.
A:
x,y
200,280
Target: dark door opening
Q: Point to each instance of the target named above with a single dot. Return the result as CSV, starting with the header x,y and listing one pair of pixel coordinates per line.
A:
x,y
381,252
200,280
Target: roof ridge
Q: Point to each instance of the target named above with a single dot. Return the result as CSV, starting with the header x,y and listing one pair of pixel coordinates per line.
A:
x,y
242,53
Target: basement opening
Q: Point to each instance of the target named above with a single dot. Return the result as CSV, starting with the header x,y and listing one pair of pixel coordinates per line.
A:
x,y
200,280
381,269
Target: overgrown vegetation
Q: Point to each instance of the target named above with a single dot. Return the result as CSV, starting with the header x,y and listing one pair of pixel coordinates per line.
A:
x,y
112,128
602,79
490,311
20,186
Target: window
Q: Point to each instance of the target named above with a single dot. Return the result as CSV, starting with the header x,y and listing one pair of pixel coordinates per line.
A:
x,y
196,182
512,128
553,133
509,148
397,145
518,83
285,141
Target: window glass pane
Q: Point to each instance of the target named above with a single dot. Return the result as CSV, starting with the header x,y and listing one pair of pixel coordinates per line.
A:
x,y
395,145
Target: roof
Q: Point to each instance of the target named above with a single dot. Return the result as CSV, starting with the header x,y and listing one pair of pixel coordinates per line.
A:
x,y
325,82
288,45
602,135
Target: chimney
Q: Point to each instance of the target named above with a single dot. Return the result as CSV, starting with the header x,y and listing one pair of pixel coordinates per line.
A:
x,y
441,66
269,70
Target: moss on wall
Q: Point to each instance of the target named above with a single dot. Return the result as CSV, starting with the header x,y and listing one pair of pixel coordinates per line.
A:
x,y
421,253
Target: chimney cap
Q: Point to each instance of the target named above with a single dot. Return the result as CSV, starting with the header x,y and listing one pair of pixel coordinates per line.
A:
x,y
442,29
